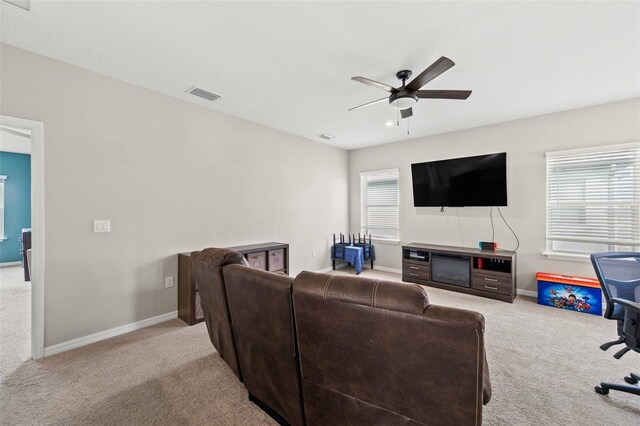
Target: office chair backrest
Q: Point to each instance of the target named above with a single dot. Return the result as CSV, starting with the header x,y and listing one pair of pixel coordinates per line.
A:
x,y
619,276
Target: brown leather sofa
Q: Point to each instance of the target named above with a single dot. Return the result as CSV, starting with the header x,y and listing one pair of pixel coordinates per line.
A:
x,y
262,321
357,351
207,271
377,353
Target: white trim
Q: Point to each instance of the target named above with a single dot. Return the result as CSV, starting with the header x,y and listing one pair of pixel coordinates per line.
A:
x,y
599,148
567,256
107,334
529,293
330,268
7,264
378,172
386,269
383,241
344,265
37,267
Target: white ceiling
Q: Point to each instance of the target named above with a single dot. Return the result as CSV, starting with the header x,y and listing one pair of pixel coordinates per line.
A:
x,y
288,64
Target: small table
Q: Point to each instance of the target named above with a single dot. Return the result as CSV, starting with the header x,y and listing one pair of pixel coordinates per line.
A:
x,y
355,254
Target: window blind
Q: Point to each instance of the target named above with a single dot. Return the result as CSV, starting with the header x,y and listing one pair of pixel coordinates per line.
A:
x,y
593,199
379,204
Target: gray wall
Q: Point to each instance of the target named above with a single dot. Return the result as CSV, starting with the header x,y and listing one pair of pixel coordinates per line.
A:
x,y
171,176
525,142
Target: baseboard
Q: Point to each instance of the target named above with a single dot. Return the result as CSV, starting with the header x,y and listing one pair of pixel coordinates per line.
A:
x,y
344,265
529,293
102,335
386,269
330,268
4,264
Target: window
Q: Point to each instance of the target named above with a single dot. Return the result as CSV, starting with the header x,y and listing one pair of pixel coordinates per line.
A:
x,y
379,204
593,200
2,179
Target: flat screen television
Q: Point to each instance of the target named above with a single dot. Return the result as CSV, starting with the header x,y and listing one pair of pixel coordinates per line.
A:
x,y
461,182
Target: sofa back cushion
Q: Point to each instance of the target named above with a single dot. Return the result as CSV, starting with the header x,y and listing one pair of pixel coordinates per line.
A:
x,y
376,352
207,271
262,319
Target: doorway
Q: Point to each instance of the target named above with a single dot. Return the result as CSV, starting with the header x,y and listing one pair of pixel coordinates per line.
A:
x,y
15,134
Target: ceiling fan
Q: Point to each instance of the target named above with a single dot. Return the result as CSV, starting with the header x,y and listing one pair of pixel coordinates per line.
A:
x,y
405,96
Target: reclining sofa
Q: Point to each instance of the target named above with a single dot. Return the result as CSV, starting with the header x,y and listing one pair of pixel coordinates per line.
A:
x,y
326,349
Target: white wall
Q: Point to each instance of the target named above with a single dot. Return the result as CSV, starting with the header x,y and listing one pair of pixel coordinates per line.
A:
x,y
171,176
525,142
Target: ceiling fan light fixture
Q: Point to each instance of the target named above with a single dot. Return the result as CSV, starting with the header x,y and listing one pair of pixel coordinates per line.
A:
x,y
403,103
403,99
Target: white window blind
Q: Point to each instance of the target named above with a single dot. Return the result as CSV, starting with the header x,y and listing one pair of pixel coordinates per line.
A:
x,y
379,204
593,200
2,179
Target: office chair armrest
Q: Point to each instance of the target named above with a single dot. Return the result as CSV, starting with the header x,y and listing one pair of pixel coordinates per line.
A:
x,y
628,304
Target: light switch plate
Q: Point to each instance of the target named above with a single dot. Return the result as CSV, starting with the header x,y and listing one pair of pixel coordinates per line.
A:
x,y
102,225
168,282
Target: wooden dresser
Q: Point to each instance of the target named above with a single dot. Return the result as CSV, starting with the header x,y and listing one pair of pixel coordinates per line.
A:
x,y
266,256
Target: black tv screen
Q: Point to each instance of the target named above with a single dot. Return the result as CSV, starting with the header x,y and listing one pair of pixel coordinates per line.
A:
x,y
461,182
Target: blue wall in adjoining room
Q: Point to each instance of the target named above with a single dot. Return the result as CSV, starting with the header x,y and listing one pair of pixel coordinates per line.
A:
x,y
17,202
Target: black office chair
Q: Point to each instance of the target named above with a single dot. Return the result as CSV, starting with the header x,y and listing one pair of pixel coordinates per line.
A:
x,y
619,276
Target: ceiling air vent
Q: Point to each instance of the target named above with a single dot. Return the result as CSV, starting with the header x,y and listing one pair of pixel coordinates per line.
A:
x,y
327,136
196,91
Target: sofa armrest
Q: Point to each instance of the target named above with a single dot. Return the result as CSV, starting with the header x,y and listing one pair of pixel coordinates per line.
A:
x,y
472,320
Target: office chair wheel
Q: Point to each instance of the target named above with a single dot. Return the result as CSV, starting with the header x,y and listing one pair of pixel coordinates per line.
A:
x,y
601,390
631,380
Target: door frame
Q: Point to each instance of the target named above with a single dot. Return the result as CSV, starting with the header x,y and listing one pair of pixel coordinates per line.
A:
x,y
37,268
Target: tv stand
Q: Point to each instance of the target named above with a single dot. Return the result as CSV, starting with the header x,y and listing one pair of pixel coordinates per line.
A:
x,y
485,273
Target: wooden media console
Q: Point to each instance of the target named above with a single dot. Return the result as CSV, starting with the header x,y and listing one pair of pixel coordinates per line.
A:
x,y
486,273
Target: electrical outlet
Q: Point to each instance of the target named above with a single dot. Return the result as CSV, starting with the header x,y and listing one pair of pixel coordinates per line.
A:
x,y
103,225
313,252
168,282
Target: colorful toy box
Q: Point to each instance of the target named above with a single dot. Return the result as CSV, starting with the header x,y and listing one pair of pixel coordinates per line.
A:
x,y
568,292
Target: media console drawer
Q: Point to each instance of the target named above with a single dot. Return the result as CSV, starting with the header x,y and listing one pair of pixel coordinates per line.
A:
x,y
416,272
492,283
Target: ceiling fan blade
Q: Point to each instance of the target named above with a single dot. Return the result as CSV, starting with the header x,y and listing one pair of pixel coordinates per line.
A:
x,y
444,94
368,103
374,83
406,113
437,68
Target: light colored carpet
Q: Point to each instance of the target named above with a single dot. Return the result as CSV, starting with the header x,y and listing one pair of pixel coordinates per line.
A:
x,y
544,363
15,319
